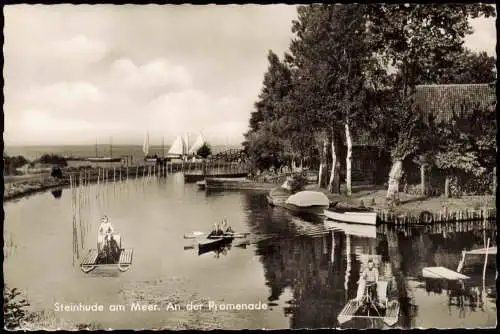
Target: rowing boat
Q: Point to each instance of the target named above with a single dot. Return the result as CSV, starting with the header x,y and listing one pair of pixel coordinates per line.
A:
x,y
195,235
368,218
212,243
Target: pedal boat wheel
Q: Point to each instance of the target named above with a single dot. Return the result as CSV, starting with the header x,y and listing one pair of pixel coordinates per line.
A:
x,y
123,267
87,268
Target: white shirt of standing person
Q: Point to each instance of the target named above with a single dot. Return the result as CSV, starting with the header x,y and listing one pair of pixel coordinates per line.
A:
x,y
105,227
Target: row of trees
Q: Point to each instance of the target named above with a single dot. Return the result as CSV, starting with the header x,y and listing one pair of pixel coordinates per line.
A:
x,y
11,163
352,71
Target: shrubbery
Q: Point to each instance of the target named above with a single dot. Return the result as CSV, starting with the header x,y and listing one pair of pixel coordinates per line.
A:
x,y
11,163
53,159
14,308
204,151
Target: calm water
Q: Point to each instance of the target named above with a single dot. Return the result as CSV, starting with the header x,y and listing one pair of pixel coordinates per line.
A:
x,y
304,276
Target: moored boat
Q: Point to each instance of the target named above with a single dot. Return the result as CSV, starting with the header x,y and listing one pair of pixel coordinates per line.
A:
x,y
104,159
368,218
279,195
310,202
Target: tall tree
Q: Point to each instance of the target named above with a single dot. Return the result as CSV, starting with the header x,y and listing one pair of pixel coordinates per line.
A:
x,y
330,54
462,67
412,38
268,111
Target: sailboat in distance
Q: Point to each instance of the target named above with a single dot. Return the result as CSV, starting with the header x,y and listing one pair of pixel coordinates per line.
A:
x,y
199,142
145,149
104,159
177,149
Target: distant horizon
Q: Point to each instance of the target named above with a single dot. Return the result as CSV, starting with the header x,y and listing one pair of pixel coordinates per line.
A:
x,y
107,145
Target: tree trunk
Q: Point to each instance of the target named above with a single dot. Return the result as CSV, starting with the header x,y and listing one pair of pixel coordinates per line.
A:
x,y
333,184
394,179
494,183
423,180
447,187
348,163
323,164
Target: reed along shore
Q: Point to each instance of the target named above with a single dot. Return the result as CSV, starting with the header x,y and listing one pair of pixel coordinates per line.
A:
x,y
18,187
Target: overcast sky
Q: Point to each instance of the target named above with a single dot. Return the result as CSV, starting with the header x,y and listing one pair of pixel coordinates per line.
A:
x,y
77,73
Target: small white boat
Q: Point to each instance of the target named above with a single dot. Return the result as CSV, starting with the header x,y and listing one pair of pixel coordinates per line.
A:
x,y
313,202
367,218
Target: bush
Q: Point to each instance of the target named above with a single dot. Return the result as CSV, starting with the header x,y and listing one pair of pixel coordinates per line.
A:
x,y
53,159
204,151
299,181
11,163
14,308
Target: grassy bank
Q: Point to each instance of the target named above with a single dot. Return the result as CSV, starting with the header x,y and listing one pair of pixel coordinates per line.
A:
x,y
411,205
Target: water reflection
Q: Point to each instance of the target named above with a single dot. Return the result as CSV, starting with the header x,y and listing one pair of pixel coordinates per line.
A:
x,y
57,193
323,269
305,271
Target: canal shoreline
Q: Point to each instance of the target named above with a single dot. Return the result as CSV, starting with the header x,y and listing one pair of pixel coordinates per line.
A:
x,y
411,210
17,188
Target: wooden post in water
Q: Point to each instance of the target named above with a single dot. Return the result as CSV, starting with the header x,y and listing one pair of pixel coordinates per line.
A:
x,y
485,264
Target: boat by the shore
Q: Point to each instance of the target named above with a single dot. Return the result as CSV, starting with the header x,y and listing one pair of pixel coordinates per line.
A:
x,y
367,218
104,159
307,202
195,177
201,184
279,195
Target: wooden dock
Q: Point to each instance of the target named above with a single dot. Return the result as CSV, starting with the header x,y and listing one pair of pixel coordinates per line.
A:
x,y
235,184
482,251
443,273
437,228
443,216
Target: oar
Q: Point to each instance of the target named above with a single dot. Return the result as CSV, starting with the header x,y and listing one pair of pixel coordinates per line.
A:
x,y
196,234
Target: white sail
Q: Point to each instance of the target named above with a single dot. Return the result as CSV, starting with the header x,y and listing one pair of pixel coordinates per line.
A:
x,y
145,146
185,150
197,144
177,147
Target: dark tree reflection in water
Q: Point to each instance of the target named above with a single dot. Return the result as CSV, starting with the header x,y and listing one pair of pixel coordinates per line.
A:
x,y
322,271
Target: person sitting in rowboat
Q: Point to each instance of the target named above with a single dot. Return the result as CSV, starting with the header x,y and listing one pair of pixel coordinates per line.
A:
x,y
226,228
367,284
217,230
